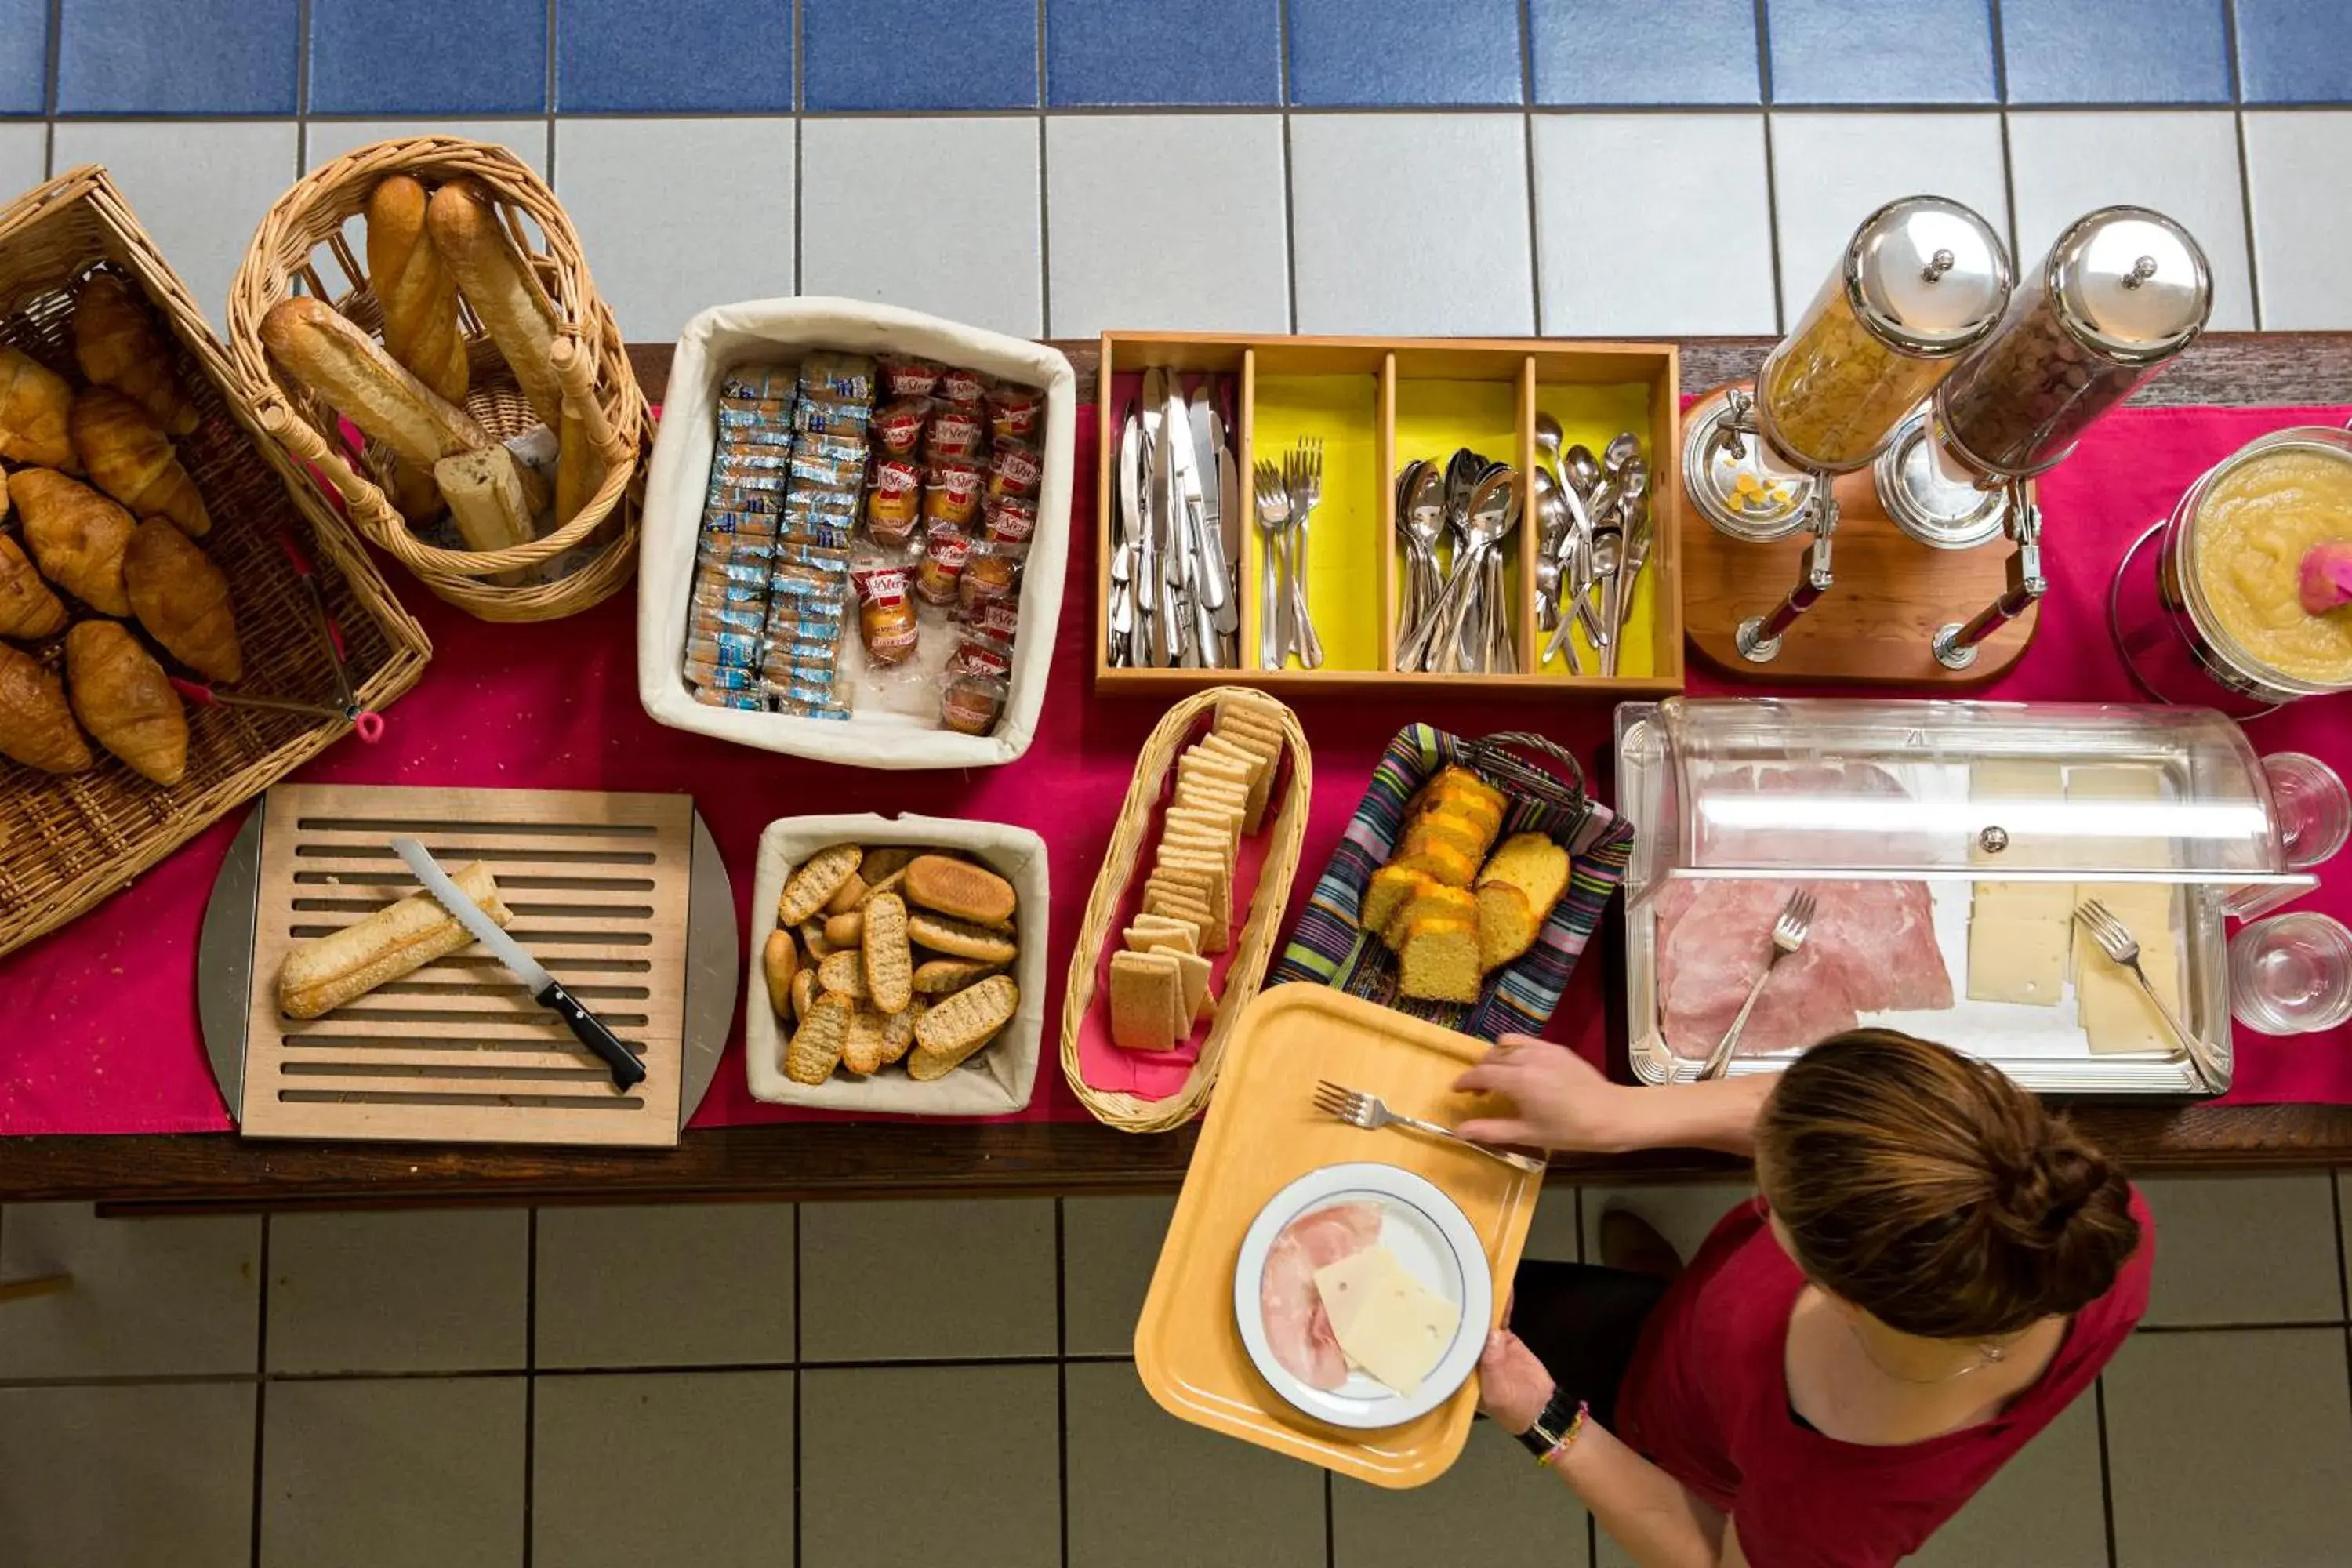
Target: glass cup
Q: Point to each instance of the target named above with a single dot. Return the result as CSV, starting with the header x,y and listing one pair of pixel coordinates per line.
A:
x,y
2291,974
2314,812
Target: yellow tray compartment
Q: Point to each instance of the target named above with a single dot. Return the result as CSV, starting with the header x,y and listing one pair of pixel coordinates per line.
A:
x,y
1344,586
1593,415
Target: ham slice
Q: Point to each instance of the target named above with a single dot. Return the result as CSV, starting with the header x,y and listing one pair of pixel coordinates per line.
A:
x,y
1296,1329
1872,949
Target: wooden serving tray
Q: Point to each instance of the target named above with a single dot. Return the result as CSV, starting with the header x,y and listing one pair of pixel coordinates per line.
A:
x,y
600,885
1264,1136
1377,404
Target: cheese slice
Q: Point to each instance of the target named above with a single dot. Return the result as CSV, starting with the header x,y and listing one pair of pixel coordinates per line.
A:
x,y
2117,1014
1386,1321
2015,956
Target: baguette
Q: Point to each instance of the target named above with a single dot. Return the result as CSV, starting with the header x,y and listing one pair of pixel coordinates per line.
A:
x,y
586,442
485,496
413,288
492,276
326,972
329,354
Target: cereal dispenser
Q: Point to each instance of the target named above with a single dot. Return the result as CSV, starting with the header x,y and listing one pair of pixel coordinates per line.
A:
x,y
2121,292
1921,282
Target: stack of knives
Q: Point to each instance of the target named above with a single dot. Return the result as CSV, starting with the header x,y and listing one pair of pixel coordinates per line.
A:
x,y
1175,592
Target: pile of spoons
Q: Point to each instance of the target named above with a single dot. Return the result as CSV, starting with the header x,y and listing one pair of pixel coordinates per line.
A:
x,y
1593,538
1455,616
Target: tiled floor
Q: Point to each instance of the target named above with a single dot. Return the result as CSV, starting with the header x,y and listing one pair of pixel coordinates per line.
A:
x,y
871,1385
1577,167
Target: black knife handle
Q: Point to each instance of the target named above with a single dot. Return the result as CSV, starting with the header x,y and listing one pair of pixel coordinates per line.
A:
x,y
627,1068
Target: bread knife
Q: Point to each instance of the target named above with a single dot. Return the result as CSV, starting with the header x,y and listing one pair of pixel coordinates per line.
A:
x,y
544,988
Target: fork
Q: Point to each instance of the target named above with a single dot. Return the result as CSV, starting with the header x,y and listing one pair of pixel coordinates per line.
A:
x,y
1788,936
1303,472
1369,1112
1273,522
2116,940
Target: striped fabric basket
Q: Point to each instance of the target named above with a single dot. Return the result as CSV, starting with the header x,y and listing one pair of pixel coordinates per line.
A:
x,y
1328,947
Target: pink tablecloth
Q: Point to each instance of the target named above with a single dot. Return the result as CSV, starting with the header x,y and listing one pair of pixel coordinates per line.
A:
x,y
102,1033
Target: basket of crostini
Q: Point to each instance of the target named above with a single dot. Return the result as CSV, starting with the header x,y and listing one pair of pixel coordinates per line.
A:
x,y
455,379
182,622
897,964
1466,886
1186,909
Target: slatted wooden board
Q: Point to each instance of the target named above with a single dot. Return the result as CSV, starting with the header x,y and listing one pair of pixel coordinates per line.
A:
x,y
458,1050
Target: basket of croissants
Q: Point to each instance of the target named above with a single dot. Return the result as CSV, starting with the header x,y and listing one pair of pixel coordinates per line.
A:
x,y
167,578
465,391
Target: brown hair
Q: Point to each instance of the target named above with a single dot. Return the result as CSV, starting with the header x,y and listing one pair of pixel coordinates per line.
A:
x,y
1928,1189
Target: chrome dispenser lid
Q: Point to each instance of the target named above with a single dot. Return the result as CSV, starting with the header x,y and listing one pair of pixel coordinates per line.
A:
x,y
2131,285
1927,275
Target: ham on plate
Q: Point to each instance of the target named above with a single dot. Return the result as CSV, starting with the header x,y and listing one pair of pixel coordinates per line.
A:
x,y
1296,1328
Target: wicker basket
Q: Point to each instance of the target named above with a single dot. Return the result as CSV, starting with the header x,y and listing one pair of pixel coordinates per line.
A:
x,y
68,841
1137,821
284,254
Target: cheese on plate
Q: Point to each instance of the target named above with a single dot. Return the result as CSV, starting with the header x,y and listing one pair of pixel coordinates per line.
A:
x,y
1387,1323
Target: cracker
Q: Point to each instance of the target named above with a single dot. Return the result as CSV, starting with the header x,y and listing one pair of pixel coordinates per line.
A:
x,y
804,990
813,939
862,1048
846,897
1147,992
889,964
844,930
1199,1004
960,939
884,861
950,1032
899,1034
780,961
815,1048
816,881
843,973
945,976
1145,920
1136,940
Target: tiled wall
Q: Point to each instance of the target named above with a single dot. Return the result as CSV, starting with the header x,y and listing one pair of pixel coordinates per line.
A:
x,y
1060,166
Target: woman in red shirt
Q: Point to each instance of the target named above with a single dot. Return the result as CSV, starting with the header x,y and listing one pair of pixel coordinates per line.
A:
x,y
1936,1269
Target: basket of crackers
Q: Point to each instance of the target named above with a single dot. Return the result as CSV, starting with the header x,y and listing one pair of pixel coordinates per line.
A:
x,y
897,964
1467,883
455,379
1186,909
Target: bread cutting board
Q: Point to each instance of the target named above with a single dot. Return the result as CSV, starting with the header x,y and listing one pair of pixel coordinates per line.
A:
x,y
604,891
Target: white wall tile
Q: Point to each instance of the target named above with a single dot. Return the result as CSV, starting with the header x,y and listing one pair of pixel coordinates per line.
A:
x,y
676,216
23,157
937,215
199,187
1219,258
1653,224
2183,164
2295,167
1832,171
525,137
1411,224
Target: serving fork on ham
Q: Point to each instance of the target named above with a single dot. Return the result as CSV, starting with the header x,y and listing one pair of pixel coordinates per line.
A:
x,y
1789,930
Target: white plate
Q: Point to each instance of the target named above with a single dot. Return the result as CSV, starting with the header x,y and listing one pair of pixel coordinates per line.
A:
x,y
1431,1238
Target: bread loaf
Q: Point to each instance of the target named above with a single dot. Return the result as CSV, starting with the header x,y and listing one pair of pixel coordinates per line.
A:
x,y
327,353
486,497
326,972
413,288
961,889
491,274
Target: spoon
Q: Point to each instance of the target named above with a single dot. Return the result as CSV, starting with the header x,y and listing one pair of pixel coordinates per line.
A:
x,y
1629,569
1548,435
1582,470
1468,637
1624,448
1421,520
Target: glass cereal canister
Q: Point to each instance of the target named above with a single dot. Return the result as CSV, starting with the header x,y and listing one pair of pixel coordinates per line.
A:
x,y
2122,291
1922,281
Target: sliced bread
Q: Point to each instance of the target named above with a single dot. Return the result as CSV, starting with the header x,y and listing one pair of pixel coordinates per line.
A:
x,y
1439,962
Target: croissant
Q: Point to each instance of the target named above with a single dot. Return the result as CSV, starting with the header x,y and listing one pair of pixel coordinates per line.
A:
x,y
122,697
34,400
37,727
130,459
77,535
28,608
116,345
181,599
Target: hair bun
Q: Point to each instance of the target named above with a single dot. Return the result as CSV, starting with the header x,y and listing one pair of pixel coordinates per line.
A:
x,y
2040,1196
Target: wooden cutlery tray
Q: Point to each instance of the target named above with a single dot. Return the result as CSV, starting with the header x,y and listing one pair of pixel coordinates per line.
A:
x,y
1377,404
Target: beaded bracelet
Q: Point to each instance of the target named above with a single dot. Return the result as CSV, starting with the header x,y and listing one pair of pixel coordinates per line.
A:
x,y
1568,1439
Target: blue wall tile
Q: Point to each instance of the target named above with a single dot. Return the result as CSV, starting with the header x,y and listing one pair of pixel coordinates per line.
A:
x,y
914,54
2295,51
1880,51
1643,51
1404,51
24,57
2097,51
1126,51
734,55
428,57
176,57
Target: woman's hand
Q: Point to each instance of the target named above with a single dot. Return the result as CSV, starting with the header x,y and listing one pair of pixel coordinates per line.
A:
x,y
1512,1386
1561,1101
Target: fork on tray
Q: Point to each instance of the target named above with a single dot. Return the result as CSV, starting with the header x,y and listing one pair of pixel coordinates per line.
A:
x,y
1369,1112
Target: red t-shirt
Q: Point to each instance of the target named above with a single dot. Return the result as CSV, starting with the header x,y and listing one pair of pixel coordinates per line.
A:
x,y
1706,1399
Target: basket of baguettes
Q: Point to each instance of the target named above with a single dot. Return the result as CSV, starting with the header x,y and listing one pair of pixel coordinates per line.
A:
x,y
164,645
500,428
1186,908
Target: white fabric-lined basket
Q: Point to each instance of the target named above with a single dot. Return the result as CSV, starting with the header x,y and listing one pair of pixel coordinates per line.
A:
x,y
728,335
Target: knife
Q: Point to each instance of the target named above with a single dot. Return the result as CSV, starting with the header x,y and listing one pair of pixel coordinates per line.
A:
x,y
1208,500
1151,567
1121,612
544,988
